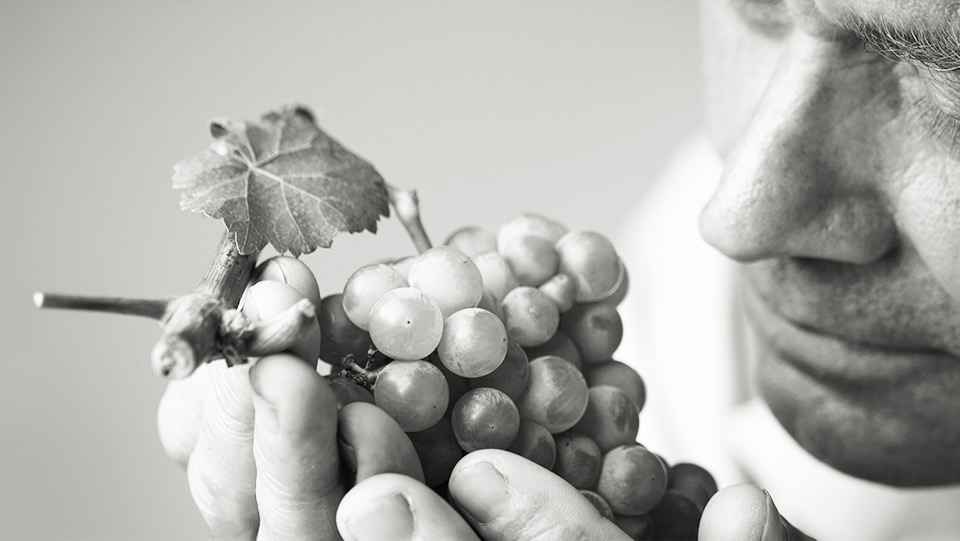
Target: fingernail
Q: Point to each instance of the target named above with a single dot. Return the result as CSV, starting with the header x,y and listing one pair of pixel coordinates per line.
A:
x,y
480,490
385,519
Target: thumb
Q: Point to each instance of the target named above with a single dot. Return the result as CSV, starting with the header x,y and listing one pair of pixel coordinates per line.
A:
x,y
745,513
509,498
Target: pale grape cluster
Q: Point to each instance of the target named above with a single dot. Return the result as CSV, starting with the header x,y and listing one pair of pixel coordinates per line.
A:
x,y
501,340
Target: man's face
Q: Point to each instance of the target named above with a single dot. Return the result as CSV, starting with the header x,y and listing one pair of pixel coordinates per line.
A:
x,y
839,123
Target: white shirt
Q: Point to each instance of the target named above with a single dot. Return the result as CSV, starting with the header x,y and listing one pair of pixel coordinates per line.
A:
x,y
685,337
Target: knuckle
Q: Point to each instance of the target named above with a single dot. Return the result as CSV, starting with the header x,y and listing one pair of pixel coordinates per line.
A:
x,y
558,530
226,501
542,520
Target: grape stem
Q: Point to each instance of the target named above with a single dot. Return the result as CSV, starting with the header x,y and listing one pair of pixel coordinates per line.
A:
x,y
407,206
369,375
151,308
204,325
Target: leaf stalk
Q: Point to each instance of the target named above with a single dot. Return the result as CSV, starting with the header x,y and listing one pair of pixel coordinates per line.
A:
x,y
407,206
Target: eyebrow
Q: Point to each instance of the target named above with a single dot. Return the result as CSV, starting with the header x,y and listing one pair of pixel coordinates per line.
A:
x,y
937,49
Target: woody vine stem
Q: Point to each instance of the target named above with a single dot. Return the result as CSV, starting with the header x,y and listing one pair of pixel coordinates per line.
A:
x,y
205,325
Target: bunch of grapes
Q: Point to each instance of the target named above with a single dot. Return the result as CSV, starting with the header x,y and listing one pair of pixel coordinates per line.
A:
x,y
499,340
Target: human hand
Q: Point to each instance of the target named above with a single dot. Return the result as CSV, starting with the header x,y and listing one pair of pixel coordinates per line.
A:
x,y
260,445
500,496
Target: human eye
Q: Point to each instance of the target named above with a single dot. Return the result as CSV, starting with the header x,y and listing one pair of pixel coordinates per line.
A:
x,y
768,17
932,103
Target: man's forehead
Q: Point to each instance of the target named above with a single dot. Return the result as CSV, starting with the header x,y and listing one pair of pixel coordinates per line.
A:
x,y
903,15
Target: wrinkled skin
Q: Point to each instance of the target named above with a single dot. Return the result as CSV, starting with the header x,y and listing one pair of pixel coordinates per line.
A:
x,y
841,199
269,457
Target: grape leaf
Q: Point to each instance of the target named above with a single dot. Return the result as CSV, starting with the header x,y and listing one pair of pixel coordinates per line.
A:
x,y
281,180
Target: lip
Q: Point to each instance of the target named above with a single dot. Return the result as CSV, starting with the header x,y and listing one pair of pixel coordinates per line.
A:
x,y
832,358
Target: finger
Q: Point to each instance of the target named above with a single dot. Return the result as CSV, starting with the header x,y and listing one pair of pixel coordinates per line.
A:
x,y
393,507
180,414
745,513
507,497
373,443
221,470
295,449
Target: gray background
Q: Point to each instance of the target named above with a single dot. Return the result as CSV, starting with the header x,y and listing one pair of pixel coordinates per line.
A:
x,y
487,108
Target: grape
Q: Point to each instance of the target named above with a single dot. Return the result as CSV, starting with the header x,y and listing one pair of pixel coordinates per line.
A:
x,y
406,324
599,503
556,395
347,390
495,273
485,418
596,329
623,286
632,479
472,240
689,489
438,451
562,290
530,316
365,287
529,224
449,277
290,271
579,459
676,516
611,419
535,443
685,475
532,259
639,527
559,345
591,260
339,337
414,393
266,299
474,342
621,376
511,376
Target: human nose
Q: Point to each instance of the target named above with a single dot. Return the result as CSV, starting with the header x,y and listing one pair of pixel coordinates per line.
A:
x,y
803,180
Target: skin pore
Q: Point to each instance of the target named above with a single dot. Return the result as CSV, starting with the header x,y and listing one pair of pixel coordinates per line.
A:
x,y
838,121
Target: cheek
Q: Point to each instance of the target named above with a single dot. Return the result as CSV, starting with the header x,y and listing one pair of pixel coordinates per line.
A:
x,y
738,64
928,210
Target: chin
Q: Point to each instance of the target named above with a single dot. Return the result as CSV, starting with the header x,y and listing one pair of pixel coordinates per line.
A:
x,y
898,436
